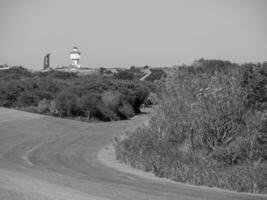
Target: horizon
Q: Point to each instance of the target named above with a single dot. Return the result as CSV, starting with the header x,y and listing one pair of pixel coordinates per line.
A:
x,y
125,33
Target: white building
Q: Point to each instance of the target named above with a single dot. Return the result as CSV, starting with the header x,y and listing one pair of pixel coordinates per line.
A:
x,y
2,67
75,57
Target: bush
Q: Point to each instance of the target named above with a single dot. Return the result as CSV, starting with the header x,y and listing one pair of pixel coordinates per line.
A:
x,y
125,110
59,75
105,114
203,131
15,73
125,75
47,107
254,81
27,99
156,74
67,104
71,95
88,104
111,99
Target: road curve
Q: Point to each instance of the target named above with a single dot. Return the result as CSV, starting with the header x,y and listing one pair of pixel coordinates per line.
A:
x,y
46,158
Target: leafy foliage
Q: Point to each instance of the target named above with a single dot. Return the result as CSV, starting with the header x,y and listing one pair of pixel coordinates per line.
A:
x,y
66,94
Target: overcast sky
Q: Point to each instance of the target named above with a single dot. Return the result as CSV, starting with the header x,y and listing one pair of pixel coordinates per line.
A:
x,y
121,33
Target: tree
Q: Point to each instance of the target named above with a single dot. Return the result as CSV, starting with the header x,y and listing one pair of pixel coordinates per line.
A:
x,y
10,92
66,104
26,99
88,103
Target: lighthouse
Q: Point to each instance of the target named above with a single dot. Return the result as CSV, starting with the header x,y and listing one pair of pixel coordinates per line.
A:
x,y
75,57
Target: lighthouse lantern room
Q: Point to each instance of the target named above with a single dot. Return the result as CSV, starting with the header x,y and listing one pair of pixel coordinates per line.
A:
x,y
75,57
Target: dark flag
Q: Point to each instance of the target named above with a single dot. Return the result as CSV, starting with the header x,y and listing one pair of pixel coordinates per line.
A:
x,y
47,61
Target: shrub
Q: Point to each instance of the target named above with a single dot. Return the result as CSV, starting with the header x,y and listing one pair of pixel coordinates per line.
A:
x,y
254,81
15,73
125,75
27,99
59,75
47,107
203,131
111,99
125,110
88,104
67,104
156,74
104,113
71,95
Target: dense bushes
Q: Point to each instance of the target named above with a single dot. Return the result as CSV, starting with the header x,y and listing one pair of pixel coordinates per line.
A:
x,y
156,74
125,74
65,94
255,81
15,73
135,73
208,130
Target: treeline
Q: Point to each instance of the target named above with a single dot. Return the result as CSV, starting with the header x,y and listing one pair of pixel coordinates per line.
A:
x,y
68,95
209,129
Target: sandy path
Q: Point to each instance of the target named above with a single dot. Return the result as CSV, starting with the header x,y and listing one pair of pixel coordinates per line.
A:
x,y
48,158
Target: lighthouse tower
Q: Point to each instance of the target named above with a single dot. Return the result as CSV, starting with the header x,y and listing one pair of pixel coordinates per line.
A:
x,y
75,57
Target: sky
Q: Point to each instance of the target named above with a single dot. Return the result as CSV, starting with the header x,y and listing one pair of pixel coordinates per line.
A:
x,y
122,33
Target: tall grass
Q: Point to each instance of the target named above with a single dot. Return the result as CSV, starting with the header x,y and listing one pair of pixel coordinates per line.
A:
x,y
202,133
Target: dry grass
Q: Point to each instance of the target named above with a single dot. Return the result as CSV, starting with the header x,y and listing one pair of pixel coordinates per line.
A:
x,y
202,133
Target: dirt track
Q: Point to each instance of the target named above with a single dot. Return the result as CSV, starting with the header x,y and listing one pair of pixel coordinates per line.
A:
x,y
46,158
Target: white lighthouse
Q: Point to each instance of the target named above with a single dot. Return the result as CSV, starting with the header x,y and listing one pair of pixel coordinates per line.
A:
x,y
75,57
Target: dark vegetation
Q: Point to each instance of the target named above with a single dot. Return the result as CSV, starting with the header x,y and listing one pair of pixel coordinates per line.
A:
x,y
209,129
135,73
68,95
